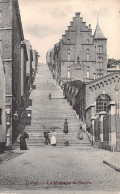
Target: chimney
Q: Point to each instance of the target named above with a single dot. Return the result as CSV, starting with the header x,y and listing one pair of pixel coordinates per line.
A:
x,y
77,14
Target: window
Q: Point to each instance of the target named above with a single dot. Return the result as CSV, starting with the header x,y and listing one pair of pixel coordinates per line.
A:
x,y
0,116
0,17
68,71
102,103
88,57
78,59
100,49
87,41
68,54
88,72
100,63
68,40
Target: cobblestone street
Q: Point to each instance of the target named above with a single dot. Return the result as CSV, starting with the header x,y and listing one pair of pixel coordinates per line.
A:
x,y
76,167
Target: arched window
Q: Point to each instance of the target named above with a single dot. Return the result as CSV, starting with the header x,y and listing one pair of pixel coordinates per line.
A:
x,y
0,116
100,63
88,72
88,56
102,103
68,54
101,49
68,71
98,49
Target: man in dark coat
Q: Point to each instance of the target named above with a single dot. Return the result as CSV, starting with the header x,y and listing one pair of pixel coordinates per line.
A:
x,y
65,130
46,136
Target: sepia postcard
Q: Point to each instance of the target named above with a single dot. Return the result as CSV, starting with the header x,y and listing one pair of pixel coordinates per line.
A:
x,y
60,96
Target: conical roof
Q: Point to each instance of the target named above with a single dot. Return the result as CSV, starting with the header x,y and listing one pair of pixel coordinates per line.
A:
x,y
98,33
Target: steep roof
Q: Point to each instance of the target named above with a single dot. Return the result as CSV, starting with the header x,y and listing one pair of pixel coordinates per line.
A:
x,y
98,33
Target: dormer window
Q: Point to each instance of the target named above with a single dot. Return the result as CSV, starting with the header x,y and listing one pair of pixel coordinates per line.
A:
x,y
68,41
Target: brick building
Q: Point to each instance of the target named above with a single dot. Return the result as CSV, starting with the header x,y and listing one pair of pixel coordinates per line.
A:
x,y
11,35
17,57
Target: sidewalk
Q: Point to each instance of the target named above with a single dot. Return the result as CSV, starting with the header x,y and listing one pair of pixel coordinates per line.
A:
x,y
113,161
8,155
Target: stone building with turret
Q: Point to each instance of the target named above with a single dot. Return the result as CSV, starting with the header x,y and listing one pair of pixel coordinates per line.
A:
x,y
80,55
90,83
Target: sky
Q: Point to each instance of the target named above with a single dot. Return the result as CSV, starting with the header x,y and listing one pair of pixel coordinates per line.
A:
x,y
45,21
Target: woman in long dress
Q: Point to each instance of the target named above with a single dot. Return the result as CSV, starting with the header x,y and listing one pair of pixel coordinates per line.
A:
x,y
65,130
23,145
53,138
80,134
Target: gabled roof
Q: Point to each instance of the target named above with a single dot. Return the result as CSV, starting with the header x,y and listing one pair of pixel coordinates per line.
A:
x,y
98,33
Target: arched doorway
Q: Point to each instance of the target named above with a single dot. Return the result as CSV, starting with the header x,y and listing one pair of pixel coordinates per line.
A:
x,y
102,103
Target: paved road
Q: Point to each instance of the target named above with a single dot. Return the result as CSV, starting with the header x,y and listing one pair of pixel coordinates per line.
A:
x,y
78,167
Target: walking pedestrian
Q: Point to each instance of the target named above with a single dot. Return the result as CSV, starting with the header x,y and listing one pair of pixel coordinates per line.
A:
x,y
46,136
49,96
65,130
80,133
53,138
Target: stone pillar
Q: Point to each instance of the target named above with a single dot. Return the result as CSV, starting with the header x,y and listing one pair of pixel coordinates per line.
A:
x,y
92,109
93,128
101,114
112,132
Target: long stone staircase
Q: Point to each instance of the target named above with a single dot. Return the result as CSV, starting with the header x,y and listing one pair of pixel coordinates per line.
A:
x,y
50,114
